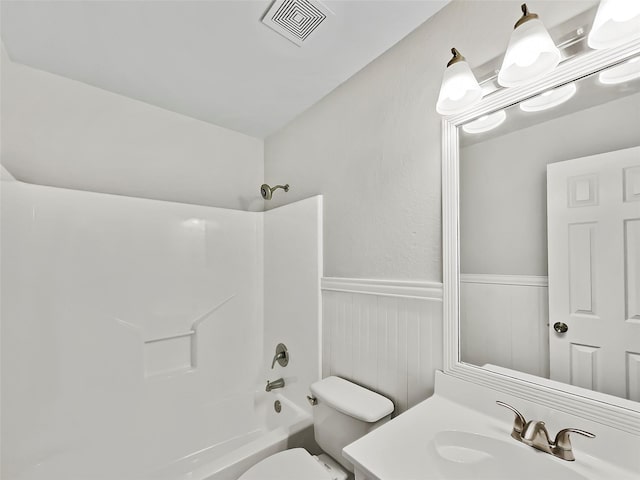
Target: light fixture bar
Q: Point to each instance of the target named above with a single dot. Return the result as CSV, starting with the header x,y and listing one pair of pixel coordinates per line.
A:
x,y
624,72
549,99
570,37
485,123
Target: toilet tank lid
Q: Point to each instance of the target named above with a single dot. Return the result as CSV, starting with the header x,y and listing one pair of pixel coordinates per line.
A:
x,y
352,399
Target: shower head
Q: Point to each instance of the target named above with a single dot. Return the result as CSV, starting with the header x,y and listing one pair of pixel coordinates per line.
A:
x,y
267,191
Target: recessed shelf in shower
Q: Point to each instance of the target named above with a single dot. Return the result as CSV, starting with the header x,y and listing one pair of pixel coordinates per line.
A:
x,y
169,354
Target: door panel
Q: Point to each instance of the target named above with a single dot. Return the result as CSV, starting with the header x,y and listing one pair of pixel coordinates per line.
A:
x,y
594,271
582,240
632,267
584,366
633,376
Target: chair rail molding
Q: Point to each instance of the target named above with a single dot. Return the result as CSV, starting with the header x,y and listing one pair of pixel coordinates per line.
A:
x,y
519,280
392,288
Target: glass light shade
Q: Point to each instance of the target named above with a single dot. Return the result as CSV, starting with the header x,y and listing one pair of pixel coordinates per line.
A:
x,y
624,72
459,91
549,99
616,22
486,122
531,55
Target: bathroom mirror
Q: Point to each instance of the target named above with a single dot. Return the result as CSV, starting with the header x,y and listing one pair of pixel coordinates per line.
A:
x,y
541,218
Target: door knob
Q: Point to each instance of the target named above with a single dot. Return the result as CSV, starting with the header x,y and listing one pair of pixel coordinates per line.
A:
x,y
560,327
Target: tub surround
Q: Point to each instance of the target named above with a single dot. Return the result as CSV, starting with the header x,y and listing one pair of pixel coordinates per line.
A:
x,y
409,446
5,176
151,313
292,301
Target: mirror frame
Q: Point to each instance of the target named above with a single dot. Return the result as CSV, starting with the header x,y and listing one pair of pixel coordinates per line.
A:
x,y
617,412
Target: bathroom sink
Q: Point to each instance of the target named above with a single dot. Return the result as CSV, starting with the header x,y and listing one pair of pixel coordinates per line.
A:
x,y
463,455
443,439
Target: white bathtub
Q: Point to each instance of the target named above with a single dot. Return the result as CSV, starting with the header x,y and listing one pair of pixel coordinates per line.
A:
x,y
252,428
272,433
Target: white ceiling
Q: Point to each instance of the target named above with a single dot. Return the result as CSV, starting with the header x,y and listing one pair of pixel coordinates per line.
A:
x,y
211,60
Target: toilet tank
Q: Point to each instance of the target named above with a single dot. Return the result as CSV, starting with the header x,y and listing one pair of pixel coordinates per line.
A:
x,y
344,413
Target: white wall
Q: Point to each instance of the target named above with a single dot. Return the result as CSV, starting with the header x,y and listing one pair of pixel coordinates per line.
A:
x,y
87,281
503,184
292,309
372,146
64,133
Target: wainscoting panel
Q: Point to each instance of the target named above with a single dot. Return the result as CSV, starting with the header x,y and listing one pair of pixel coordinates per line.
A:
x,y
386,336
504,321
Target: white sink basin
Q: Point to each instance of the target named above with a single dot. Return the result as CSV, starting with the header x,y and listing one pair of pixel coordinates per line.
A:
x,y
460,433
464,455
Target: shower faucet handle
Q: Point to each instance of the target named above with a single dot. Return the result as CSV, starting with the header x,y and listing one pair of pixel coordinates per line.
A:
x,y
281,356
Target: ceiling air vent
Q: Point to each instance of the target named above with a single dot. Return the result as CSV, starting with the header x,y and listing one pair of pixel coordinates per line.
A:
x,y
296,20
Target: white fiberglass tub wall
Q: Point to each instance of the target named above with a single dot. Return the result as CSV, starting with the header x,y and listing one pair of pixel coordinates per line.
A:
x,y
91,283
292,300
132,337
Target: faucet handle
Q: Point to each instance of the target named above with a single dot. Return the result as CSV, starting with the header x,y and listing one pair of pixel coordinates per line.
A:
x,y
277,357
281,356
518,423
562,444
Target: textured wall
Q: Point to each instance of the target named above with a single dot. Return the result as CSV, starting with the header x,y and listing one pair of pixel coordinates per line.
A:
x,y
372,146
64,133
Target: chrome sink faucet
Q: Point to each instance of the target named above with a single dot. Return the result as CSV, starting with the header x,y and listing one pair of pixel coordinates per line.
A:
x,y
534,433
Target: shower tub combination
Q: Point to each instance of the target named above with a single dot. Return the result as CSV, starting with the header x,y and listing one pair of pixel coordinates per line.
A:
x,y
137,337
253,433
269,433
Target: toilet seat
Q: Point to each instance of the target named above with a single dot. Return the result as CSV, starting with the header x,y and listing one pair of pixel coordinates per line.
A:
x,y
293,464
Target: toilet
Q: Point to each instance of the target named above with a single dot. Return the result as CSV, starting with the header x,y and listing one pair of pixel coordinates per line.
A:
x,y
344,412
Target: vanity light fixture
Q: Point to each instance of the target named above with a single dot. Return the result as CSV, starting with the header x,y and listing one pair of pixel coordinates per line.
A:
x,y
625,72
485,123
460,89
549,99
615,23
531,53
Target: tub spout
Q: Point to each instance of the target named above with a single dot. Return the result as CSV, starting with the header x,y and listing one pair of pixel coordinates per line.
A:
x,y
279,383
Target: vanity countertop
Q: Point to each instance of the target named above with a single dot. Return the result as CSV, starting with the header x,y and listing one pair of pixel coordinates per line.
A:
x,y
410,446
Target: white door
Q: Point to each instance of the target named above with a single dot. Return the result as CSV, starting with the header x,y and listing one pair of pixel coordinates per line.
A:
x,y
593,215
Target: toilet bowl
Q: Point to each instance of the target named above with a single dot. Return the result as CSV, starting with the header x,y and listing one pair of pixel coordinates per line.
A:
x,y
295,463
343,413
